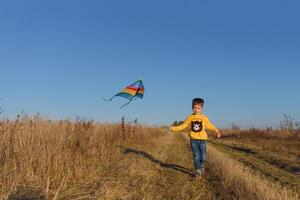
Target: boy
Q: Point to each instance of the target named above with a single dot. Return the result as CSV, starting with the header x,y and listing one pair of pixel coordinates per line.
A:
x,y
198,136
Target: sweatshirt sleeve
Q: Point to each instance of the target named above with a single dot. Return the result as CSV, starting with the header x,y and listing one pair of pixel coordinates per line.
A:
x,y
182,126
209,125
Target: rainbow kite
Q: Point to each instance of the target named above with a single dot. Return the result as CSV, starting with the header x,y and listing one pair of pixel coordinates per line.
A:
x,y
131,92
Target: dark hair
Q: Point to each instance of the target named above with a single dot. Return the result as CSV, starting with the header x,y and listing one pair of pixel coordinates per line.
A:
x,y
198,101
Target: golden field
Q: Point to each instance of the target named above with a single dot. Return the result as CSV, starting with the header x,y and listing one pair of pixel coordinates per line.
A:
x,y
81,159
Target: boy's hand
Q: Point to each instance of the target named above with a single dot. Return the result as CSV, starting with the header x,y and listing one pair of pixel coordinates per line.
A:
x,y
218,134
170,128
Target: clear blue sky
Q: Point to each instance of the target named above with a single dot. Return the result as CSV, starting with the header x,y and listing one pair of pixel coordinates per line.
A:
x,y
60,58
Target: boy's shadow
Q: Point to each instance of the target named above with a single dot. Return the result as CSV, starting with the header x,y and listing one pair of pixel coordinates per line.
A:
x,y
162,164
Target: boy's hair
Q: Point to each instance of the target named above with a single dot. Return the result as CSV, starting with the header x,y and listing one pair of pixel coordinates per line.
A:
x,y
198,101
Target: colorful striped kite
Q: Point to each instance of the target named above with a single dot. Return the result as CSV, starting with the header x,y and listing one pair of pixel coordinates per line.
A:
x,y
131,92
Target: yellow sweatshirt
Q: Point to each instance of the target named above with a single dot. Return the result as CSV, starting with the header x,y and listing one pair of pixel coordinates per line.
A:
x,y
198,124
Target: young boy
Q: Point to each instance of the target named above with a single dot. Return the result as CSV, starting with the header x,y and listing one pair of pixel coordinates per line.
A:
x,y
199,123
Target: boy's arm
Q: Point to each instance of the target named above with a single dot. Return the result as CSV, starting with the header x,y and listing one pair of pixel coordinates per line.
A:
x,y
211,127
181,126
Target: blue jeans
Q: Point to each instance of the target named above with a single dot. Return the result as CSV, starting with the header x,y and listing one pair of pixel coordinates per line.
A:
x,y
199,152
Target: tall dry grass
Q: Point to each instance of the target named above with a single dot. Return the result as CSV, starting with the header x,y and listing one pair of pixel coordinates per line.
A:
x,y
43,158
239,182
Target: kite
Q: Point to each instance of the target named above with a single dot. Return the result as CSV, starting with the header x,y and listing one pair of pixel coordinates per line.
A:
x,y
131,92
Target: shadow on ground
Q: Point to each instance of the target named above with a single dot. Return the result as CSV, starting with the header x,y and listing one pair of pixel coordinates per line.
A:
x,y
27,193
160,163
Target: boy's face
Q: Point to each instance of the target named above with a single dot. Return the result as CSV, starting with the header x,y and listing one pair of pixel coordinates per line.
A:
x,y
197,109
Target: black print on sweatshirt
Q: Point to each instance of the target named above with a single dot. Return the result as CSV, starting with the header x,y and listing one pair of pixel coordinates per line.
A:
x,y
197,126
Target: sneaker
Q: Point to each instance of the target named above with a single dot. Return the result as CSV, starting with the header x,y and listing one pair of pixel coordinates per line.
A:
x,y
198,172
203,171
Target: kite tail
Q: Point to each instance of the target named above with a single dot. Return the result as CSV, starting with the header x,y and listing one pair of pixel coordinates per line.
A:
x,y
127,103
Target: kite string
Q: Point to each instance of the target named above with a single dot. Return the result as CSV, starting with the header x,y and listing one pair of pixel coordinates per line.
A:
x,y
107,100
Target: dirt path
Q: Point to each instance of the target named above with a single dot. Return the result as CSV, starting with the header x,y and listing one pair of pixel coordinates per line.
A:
x,y
163,170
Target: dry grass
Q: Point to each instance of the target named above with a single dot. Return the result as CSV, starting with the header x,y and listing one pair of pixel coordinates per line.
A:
x,y
236,181
63,159
43,159
283,154
274,158
267,133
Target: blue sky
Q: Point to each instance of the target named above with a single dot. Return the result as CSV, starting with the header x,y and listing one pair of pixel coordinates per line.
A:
x,y
60,58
